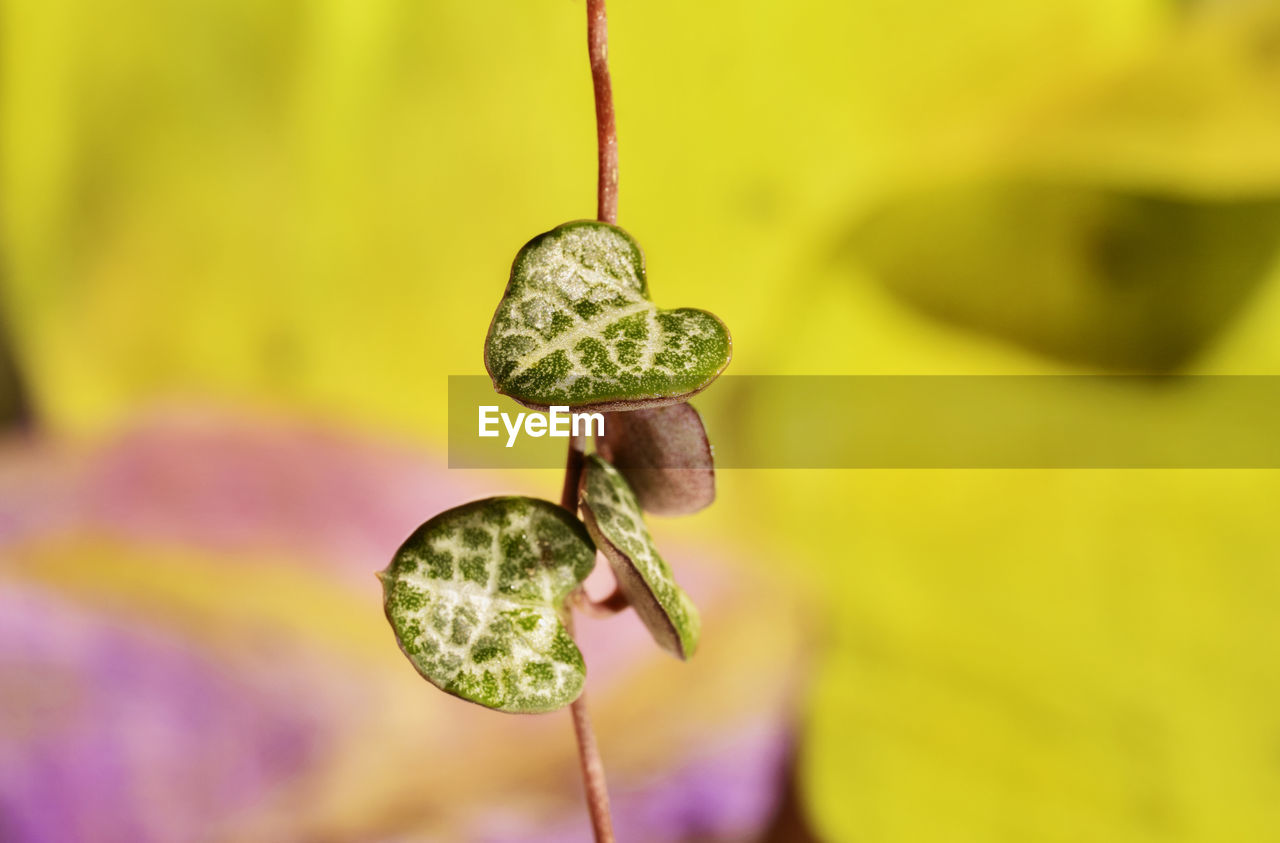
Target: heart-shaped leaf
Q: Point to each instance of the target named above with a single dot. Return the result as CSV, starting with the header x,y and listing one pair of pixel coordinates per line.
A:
x,y
575,327
665,456
475,595
613,517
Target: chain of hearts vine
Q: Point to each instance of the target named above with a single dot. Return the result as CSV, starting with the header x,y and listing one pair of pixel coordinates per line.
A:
x,y
481,597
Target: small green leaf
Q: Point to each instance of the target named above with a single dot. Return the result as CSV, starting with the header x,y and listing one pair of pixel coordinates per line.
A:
x,y
613,517
575,327
665,456
474,597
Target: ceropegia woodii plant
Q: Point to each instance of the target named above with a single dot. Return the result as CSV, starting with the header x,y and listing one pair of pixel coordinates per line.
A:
x,y
612,515
481,597
576,327
475,594
665,456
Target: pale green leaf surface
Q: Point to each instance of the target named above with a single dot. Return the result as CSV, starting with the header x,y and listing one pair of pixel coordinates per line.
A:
x,y
576,327
474,597
612,515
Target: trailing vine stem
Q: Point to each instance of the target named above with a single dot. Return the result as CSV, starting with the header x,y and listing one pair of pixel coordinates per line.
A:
x,y
606,129
592,772
592,767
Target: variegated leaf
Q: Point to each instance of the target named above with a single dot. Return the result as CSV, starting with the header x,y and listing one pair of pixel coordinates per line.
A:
x,y
612,515
475,596
575,327
665,456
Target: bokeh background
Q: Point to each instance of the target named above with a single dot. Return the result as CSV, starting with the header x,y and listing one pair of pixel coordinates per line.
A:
x,y
244,243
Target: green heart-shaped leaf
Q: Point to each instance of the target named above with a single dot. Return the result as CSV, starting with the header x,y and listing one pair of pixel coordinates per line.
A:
x,y
665,456
475,595
613,517
575,327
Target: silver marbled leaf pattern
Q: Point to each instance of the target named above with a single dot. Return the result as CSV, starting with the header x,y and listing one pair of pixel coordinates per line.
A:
x,y
612,515
575,327
475,596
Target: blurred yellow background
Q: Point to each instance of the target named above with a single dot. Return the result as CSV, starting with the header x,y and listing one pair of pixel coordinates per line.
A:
x,y
308,210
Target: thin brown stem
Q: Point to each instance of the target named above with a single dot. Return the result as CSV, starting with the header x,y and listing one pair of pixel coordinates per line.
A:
x,y
592,767
606,129
593,781
573,473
